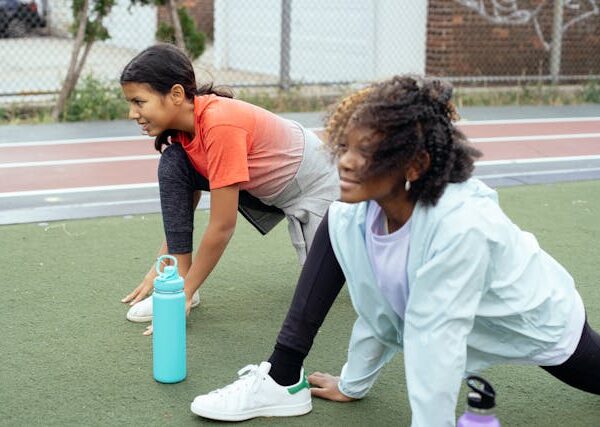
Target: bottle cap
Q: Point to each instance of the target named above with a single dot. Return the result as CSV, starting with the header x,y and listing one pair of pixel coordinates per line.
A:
x,y
169,279
482,395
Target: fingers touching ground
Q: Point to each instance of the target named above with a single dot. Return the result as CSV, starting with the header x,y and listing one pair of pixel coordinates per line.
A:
x,y
139,293
325,386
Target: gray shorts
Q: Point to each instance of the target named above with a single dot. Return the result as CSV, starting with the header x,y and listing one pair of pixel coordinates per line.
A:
x,y
305,199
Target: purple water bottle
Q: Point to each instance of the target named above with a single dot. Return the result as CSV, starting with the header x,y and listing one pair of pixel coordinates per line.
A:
x,y
480,404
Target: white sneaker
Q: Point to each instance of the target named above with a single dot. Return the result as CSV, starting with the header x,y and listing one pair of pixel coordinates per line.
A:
x,y
255,394
142,311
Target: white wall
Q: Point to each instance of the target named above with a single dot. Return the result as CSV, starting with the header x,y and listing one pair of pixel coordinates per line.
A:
x,y
60,17
331,41
247,37
131,27
401,34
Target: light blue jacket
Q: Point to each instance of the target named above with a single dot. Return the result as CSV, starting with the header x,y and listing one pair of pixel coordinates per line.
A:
x,y
481,292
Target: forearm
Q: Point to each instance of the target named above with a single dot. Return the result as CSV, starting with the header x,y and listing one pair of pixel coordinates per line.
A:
x,y
213,244
366,357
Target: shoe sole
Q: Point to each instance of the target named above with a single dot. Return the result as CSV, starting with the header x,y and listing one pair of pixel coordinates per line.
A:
x,y
145,319
273,411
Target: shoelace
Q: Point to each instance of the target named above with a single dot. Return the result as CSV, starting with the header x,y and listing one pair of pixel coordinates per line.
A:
x,y
250,377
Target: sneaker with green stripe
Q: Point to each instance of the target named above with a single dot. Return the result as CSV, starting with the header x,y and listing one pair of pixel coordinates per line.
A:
x,y
255,394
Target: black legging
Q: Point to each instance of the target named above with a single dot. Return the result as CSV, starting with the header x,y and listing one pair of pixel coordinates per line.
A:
x,y
582,369
318,286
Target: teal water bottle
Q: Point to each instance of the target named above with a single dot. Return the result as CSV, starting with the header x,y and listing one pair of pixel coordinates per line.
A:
x,y
168,337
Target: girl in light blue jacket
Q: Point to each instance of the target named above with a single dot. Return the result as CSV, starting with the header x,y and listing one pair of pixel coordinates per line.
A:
x,y
435,269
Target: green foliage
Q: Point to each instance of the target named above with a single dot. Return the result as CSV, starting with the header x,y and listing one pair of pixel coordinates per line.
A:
x,y
20,114
293,100
93,100
194,40
591,92
526,94
94,29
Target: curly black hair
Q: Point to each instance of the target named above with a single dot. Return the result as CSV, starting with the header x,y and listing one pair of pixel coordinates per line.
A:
x,y
413,115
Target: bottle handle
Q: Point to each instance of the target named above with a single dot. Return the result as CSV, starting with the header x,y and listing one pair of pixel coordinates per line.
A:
x,y
483,392
160,261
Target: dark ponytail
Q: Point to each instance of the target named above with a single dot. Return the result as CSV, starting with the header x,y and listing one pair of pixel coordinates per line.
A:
x,y
161,67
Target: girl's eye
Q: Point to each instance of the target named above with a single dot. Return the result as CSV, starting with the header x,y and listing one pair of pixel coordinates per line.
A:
x,y
366,151
342,147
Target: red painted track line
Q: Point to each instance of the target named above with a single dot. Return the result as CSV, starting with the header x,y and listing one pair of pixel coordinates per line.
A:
x,y
45,177
520,129
539,148
76,151
87,175
143,146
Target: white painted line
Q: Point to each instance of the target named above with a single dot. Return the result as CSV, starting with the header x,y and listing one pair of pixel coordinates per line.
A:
x,y
523,121
55,207
78,190
535,160
155,184
468,123
75,141
77,161
152,157
535,137
536,173
98,204
314,129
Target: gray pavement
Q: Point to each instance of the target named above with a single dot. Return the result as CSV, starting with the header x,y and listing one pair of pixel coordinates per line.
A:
x,y
83,204
53,131
116,128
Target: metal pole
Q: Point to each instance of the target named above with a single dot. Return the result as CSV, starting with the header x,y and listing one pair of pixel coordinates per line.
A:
x,y
556,47
286,28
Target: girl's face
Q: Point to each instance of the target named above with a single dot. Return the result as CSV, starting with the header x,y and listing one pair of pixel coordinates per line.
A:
x,y
152,111
355,156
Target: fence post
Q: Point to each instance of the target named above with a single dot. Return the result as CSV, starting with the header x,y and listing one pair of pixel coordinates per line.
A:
x,y
284,57
556,47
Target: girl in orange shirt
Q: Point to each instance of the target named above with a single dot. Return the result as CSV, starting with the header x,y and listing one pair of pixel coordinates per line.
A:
x,y
248,157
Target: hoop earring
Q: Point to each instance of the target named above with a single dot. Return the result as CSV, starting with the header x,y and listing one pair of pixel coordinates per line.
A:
x,y
407,186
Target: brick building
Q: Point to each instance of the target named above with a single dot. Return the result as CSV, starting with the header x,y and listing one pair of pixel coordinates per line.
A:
x,y
465,42
201,10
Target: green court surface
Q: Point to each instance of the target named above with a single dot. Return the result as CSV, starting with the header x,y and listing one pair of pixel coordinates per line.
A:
x,y
69,357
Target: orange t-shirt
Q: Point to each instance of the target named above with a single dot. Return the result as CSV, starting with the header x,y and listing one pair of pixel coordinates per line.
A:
x,y
237,142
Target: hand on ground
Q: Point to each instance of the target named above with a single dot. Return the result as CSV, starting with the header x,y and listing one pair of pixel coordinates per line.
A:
x,y
326,387
141,292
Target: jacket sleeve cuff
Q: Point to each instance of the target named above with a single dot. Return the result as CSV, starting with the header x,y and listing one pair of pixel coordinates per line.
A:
x,y
353,389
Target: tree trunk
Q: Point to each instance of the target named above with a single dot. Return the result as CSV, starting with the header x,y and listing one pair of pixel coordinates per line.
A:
x,y
172,9
72,75
86,51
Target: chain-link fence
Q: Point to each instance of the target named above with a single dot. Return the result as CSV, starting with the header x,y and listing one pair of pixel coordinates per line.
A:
x,y
284,43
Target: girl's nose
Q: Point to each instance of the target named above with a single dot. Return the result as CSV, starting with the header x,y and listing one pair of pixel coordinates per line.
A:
x,y
133,114
343,162
347,161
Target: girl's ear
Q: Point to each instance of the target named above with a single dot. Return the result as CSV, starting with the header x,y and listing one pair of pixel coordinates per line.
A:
x,y
418,166
177,94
